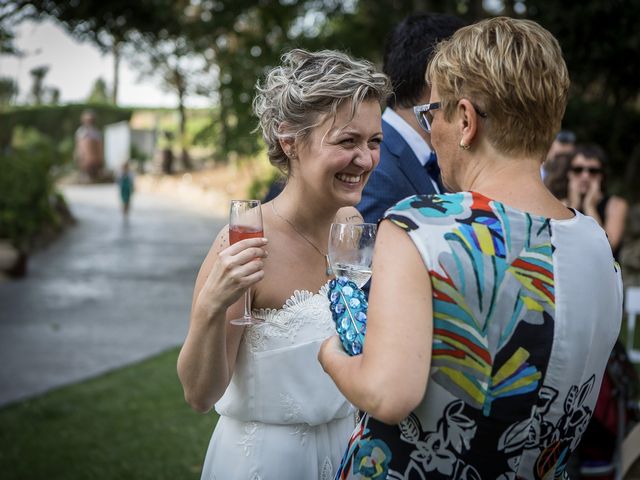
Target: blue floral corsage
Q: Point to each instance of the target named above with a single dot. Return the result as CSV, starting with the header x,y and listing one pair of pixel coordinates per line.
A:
x,y
349,312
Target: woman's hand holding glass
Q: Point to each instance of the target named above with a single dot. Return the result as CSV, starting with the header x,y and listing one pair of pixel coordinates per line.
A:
x,y
237,267
245,223
350,255
351,250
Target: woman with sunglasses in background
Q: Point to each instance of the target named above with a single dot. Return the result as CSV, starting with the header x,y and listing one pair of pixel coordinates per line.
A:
x,y
585,189
586,192
485,345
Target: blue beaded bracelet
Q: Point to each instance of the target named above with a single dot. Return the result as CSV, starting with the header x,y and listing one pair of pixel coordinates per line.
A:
x,y
349,312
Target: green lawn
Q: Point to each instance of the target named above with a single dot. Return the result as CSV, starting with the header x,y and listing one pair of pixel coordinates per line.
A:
x,y
132,423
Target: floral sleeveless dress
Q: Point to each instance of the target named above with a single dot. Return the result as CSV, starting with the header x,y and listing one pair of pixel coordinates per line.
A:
x,y
526,310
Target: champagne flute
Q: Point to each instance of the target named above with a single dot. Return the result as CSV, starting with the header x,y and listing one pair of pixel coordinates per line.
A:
x,y
351,250
245,221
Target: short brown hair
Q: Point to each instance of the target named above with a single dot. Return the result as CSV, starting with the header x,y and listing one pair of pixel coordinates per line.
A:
x,y
513,71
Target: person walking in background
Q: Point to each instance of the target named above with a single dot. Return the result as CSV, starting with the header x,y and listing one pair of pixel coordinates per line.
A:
x,y
167,157
587,193
125,188
281,416
485,343
407,164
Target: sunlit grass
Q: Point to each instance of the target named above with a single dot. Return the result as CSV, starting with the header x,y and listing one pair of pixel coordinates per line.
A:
x,y
131,423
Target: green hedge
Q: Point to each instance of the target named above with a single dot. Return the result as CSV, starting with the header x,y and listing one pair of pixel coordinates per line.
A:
x,y
32,141
56,121
27,195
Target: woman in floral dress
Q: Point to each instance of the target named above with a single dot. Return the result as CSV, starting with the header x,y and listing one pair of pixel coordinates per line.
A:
x,y
492,311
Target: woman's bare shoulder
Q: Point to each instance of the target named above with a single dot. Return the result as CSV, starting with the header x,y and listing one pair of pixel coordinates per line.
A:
x,y
616,202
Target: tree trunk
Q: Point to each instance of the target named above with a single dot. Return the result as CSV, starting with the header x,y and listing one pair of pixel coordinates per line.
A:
x,y
116,71
184,157
183,117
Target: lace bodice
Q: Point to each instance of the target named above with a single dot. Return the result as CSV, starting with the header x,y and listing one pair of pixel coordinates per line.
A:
x,y
304,316
277,377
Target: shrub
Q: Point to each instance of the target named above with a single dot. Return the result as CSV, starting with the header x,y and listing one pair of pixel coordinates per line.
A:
x,y
28,195
56,121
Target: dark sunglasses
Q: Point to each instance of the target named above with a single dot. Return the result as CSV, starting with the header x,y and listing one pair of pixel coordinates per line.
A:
x,y
424,114
590,170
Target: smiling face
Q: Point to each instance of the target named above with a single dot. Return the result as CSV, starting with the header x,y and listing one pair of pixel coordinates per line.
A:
x,y
335,161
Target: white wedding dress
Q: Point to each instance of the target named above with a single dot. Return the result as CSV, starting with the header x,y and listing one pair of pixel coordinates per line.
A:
x,y
281,417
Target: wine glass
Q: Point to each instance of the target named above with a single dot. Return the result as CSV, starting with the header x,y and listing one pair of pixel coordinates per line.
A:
x,y
245,221
351,250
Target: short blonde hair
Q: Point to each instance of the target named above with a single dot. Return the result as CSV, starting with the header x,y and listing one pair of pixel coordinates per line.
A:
x,y
296,96
513,71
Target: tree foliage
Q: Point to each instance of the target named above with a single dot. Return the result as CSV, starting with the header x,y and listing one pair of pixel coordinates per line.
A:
x,y
236,41
8,91
56,121
176,65
37,87
99,93
599,41
10,14
103,23
240,40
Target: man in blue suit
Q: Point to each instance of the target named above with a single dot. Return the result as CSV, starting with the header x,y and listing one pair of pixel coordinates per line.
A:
x,y
407,163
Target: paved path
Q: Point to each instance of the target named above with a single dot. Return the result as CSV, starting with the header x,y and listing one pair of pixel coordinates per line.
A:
x,y
107,293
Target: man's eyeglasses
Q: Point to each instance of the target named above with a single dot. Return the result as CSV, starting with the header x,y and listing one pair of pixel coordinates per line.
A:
x,y
424,114
590,170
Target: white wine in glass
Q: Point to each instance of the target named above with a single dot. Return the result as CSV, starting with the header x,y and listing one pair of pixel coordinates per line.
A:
x,y
351,250
245,221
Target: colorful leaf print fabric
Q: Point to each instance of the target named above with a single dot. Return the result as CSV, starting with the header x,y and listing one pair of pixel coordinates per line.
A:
x,y
485,263
493,409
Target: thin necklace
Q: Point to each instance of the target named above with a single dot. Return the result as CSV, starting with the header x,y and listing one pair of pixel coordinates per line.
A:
x,y
328,271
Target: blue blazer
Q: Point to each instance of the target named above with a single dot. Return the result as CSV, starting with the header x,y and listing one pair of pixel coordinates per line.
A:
x,y
398,175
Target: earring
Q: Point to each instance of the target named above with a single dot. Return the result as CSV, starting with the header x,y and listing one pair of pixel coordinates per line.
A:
x,y
464,146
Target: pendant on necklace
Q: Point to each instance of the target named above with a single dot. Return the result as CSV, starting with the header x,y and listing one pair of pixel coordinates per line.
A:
x,y
329,270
